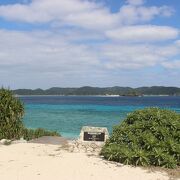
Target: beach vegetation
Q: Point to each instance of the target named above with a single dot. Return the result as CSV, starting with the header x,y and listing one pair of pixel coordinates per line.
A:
x,y
29,134
146,137
11,115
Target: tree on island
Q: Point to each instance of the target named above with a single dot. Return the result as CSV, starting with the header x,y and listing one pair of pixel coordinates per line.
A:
x,y
146,137
11,114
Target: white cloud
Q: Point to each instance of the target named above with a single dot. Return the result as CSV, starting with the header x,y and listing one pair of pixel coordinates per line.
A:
x,y
135,2
42,56
172,65
145,33
59,53
130,14
130,56
72,12
96,20
177,43
84,42
168,51
43,49
84,14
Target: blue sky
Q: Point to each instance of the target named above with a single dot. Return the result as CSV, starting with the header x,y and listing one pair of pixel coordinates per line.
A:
x,y
72,43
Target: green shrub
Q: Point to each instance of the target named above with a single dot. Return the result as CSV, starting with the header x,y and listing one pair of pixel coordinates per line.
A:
x,y
11,125
11,113
146,137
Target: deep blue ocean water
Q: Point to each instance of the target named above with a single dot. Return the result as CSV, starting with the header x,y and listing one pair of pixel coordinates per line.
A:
x,y
67,114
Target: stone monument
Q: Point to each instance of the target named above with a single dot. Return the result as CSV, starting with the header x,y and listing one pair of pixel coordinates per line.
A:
x,y
95,134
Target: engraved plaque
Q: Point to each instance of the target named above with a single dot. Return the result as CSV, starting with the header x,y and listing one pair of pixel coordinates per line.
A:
x,y
94,136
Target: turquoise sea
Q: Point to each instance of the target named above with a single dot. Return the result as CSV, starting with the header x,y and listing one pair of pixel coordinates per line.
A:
x,y
67,114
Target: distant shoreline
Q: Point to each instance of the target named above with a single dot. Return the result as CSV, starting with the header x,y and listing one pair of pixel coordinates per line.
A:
x,y
115,91
17,95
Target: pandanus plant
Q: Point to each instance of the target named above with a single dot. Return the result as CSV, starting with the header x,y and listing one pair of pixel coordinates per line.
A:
x,y
11,113
11,125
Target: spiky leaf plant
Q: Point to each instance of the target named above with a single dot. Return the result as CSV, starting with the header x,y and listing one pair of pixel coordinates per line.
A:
x,y
11,113
11,125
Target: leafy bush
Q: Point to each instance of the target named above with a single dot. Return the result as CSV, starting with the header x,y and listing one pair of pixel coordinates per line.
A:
x,y
11,113
146,137
11,125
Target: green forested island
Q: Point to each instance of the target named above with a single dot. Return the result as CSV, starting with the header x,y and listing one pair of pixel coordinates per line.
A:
x,y
87,90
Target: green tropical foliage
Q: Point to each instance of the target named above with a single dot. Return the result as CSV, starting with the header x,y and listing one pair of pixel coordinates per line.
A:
x,y
146,137
11,124
11,113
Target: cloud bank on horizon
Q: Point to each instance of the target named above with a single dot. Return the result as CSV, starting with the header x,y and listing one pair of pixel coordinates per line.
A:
x,y
46,43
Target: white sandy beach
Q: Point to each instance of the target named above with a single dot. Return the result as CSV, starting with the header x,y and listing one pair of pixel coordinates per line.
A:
x,y
29,161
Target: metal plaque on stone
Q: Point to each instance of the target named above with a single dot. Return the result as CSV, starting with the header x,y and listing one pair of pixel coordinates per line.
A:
x,y
88,136
98,134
